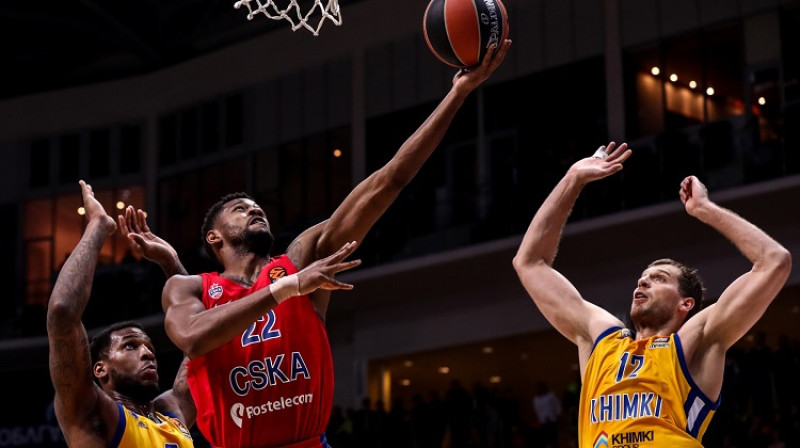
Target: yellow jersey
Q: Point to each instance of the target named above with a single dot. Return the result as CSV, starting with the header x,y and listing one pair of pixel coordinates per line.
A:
x,y
639,394
136,431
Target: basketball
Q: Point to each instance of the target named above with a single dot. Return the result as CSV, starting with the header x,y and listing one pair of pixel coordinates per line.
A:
x,y
460,32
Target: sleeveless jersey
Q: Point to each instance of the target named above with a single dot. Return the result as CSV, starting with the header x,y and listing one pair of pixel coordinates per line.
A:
x,y
640,393
136,431
273,384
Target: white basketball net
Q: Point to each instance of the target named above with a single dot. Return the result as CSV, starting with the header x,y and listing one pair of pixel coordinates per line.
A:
x,y
293,14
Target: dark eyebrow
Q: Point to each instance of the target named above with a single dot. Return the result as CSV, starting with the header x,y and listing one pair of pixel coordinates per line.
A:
x,y
663,271
238,201
234,203
135,336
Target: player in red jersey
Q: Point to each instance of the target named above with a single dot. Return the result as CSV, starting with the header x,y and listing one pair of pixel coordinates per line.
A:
x,y
261,371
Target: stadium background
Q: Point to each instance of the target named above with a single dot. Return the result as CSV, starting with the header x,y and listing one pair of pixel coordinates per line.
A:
x,y
168,104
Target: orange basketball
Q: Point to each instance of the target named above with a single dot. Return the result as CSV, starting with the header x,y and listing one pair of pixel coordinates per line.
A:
x,y
460,32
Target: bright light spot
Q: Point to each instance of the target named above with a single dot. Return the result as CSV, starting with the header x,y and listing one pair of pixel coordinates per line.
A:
x,y
487,350
405,382
408,363
81,211
495,379
444,370
120,205
692,84
337,153
673,77
655,71
710,91
762,101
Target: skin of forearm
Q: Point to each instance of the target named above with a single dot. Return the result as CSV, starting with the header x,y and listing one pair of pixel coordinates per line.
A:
x,y
215,326
544,233
409,158
751,241
173,266
73,286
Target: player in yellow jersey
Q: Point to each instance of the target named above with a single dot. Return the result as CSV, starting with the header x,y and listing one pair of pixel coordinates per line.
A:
x,y
107,394
658,384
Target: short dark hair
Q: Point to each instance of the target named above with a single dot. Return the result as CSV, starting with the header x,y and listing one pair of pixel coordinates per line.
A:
x,y
101,342
690,284
211,218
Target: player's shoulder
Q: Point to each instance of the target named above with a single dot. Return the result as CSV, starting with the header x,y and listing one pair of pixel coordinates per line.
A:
x,y
185,282
303,250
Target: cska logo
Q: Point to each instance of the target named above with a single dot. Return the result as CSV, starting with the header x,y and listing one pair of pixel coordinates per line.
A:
x,y
215,291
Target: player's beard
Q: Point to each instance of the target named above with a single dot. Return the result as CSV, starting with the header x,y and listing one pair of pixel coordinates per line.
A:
x,y
253,242
134,388
649,316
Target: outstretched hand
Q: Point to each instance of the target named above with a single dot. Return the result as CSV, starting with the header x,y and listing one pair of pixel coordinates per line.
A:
x,y
606,161
694,195
94,209
471,78
320,274
141,240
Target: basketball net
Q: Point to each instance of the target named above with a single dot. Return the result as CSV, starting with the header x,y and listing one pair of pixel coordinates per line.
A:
x,y
293,14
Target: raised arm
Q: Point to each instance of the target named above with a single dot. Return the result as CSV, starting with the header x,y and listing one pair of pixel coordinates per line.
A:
x,y
147,244
370,199
178,400
197,330
745,300
554,295
87,416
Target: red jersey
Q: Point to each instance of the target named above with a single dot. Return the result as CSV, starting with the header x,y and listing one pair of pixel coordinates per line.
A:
x,y
272,385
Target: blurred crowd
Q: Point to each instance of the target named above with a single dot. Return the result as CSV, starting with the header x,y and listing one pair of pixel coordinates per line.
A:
x,y
760,408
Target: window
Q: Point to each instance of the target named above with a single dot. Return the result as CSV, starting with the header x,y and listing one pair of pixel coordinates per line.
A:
x,y
684,81
234,120
189,139
39,165
167,140
69,161
210,127
52,229
130,149
99,153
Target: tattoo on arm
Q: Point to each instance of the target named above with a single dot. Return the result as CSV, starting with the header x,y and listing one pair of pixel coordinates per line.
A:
x,y
74,283
70,360
68,364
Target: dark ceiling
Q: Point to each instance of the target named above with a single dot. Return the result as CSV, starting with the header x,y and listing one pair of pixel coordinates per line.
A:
x,y
53,44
